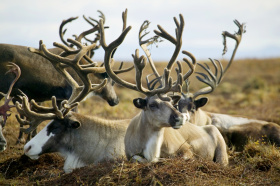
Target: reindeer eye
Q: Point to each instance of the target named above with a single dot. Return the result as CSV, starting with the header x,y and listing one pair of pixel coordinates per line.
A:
x,y
153,106
190,107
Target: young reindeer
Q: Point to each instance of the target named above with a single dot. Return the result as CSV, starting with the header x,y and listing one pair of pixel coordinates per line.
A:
x,y
151,133
235,130
6,107
82,140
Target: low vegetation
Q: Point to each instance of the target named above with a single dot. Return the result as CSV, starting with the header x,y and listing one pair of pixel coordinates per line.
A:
x,y
250,88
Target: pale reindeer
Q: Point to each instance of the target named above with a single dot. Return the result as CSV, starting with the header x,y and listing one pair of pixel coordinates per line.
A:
x,y
235,129
35,79
159,130
82,140
5,108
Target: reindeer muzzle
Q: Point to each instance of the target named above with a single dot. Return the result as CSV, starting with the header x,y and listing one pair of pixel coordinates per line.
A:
x,y
177,121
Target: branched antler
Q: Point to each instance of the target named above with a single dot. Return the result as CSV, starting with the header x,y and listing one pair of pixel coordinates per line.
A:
x,y
139,64
34,113
213,79
177,86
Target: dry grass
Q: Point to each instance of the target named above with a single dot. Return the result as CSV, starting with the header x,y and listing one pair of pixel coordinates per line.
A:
x,y
250,88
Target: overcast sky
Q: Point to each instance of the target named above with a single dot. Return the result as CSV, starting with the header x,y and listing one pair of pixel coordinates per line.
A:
x,y
26,22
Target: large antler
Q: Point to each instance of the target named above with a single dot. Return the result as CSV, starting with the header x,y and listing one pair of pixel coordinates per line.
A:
x,y
6,107
139,64
145,43
178,44
213,79
34,113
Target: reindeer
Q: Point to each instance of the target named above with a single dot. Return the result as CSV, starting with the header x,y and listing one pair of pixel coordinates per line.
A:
x,y
6,107
236,130
35,79
81,139
150,134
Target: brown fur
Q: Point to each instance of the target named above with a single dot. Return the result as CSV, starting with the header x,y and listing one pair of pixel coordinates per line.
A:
x,y
239,135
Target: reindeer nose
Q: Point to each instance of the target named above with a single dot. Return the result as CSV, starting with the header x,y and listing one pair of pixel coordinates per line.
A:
x,y
175,118
113,102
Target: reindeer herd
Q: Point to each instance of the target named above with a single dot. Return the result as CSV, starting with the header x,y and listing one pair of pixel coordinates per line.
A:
x,y
170,122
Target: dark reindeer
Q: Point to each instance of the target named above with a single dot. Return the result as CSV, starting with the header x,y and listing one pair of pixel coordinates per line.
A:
x,y
5,108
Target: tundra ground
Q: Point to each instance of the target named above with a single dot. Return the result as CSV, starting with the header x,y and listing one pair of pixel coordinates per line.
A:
x,y
250,88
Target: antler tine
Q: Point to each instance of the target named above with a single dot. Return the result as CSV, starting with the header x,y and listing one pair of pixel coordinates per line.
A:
x,y
212,80
95,28
177,41
177,86
62,32
191,65
208,70
151,84
85,33
101,16
123,70
124,18
139,63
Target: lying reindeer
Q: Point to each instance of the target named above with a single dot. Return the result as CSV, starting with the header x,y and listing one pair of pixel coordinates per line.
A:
x,y
151,133
82,140
6,107
236,130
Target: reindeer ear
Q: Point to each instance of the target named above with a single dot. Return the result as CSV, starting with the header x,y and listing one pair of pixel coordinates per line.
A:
x,y
200,102
74,124
140,103
175,99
